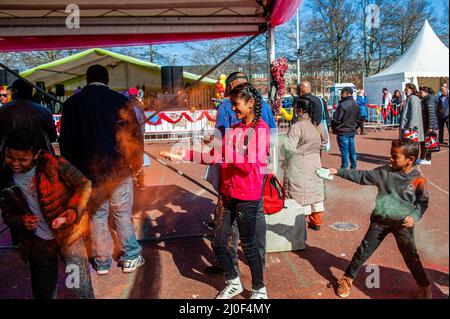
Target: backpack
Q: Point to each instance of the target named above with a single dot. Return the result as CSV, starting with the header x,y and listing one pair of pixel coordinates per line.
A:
x,y
274,195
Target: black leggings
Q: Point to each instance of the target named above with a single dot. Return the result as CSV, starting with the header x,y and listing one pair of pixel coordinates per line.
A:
x,y
245,213
405,242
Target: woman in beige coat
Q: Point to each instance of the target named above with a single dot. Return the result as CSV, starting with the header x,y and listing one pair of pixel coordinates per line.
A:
x,y
302,151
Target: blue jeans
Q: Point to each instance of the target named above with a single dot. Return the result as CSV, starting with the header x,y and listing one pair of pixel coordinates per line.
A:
x,y
120,205
245,213
347,147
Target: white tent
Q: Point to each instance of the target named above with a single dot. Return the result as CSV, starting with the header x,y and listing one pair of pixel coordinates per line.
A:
x,y
425,63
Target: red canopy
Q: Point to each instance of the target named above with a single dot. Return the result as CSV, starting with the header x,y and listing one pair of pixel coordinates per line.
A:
x,y
30,26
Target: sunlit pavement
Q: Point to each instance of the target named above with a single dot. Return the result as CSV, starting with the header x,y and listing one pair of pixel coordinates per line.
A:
x,y
172,207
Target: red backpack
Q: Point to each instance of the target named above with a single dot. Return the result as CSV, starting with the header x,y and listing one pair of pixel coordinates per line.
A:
x,y
274,195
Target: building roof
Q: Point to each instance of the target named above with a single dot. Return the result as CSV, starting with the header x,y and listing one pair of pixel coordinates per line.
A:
x,y
76,66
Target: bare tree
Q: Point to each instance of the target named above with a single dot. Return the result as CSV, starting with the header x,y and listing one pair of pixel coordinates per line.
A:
x,y
203,55
330,33
410,17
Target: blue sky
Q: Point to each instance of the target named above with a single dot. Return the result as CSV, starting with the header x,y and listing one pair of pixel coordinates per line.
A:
x,y
181,51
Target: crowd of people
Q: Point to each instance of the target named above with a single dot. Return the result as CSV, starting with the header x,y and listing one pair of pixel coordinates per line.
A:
x,y
61,205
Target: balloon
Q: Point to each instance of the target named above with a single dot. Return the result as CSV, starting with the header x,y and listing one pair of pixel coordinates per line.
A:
x,y
223,77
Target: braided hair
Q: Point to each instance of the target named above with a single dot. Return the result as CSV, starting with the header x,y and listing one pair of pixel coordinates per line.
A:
x,y
246,91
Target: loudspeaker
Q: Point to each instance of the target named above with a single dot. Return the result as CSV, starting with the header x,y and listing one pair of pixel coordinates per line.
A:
x,y
60,91
41,85
6,78
166,79
172,79
177,79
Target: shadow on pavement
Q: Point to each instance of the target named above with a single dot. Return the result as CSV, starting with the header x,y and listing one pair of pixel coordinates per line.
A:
x,y
394,283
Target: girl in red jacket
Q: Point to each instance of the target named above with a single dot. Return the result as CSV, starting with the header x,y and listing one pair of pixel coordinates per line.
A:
x,y
243,158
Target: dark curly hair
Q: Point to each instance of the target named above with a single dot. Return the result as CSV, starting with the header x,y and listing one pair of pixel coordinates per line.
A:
x,y
22,140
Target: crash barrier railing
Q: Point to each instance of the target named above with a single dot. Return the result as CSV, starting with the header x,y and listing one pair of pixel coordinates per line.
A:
x,y
182,125
173,125
378,117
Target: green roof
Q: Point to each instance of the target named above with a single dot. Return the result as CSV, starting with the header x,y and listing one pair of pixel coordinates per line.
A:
x,y
118,56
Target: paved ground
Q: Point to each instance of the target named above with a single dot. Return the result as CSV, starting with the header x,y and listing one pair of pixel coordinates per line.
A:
x,y
172,206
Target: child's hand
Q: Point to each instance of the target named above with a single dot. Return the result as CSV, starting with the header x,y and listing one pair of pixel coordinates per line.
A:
x,y
30,221
58,222
177,156
408,222
333,171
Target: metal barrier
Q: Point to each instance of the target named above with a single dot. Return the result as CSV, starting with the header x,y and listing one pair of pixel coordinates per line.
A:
x,y
177,125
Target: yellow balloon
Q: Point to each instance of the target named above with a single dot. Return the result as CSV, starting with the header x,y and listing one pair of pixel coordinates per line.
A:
x,y
223,77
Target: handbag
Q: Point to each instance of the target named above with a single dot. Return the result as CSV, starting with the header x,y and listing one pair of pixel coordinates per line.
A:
x,y
274,195
412,134
432,143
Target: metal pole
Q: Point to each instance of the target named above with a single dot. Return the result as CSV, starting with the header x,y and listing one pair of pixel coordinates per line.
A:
x,y
182,174
211,70
298,47
270,59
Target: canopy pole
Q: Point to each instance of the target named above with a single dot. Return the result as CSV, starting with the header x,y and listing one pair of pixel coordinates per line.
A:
x,y
298,48
215,67
31,83
271,55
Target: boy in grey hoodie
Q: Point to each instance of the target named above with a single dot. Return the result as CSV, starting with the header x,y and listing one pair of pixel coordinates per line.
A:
x,y
401,201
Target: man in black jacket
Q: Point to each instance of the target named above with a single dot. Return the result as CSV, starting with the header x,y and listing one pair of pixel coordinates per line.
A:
x,y
100,136
345,121
22,113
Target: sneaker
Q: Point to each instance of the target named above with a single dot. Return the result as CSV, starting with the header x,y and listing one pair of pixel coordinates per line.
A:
x,y
424,293
214,270
131,265
259,294
419,161
343,290
425,162
102,271
233,288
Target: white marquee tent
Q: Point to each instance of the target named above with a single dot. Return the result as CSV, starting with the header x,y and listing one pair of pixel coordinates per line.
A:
x,y
425,63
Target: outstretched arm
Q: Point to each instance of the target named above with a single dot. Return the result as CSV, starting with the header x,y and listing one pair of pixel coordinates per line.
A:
x,y
372,177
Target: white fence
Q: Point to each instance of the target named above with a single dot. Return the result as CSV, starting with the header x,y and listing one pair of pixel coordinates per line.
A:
x,y
180,125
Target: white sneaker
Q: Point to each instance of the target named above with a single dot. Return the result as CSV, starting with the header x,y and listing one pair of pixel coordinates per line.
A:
x,y
103,271
425,162
259,294
131,265
233,288
419,161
